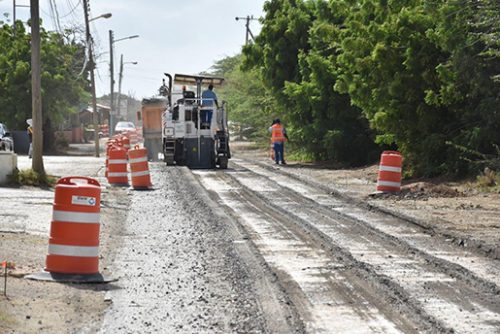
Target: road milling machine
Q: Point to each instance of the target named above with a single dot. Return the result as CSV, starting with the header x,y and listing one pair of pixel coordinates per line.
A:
x,y
189,139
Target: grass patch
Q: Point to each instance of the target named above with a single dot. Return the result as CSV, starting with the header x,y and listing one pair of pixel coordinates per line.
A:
x,y
28,177
298,155
489,180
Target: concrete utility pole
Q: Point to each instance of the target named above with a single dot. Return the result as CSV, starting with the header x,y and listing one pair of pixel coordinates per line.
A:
x,y
118,104
247,25
88,38
112,112
112,84
36,92
120,77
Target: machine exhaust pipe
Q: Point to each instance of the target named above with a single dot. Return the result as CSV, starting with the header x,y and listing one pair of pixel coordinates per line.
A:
x,y
169,87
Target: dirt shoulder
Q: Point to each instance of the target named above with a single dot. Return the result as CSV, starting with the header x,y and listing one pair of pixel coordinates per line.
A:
x,y
48,307
455,210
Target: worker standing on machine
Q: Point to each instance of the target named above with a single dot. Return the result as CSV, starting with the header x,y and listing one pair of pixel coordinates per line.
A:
x,y
208,98
278,138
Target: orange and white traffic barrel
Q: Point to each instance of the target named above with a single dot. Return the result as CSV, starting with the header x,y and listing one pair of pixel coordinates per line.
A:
x,y
117,166
139,169
389,174
74,231
125,141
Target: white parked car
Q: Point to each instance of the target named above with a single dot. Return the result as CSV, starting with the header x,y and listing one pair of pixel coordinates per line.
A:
x,y
124,127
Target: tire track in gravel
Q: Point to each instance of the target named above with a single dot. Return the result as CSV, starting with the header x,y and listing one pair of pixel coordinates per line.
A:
x,y
326,291
179,272
450,301
478,269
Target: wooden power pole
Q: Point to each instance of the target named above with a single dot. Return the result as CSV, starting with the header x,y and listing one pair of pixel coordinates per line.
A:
x,y
92,77
247,26
36,93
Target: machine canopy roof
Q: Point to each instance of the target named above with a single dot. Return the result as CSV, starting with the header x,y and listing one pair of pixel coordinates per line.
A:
x,y
192,80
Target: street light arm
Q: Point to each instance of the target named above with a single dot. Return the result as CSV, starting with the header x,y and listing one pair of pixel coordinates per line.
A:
x,y
105,16
124,38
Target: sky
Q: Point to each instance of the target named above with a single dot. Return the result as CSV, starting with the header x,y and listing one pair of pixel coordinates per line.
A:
x,y
184,36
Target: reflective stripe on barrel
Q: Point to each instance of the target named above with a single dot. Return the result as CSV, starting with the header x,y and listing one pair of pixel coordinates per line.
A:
x,y
390,169
136,160
79,251
146,172
389,184
76,217
117,161
114,175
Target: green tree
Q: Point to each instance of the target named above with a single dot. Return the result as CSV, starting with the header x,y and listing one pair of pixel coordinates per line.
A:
x,y
296,54
412,69
328,125
469,77
63,81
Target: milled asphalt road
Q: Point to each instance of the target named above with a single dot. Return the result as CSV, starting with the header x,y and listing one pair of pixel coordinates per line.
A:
x,y
177,267
179,261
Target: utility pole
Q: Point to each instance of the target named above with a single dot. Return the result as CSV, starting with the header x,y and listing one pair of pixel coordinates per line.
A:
x,y
120,76
247,25
112,115
112,83
14,6
36,92
88,38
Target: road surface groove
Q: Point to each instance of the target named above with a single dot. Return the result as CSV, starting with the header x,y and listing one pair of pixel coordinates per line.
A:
x,y
330,297
179,273
483,271
457,304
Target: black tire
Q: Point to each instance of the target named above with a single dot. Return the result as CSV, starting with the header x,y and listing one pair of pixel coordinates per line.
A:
x,y
223,161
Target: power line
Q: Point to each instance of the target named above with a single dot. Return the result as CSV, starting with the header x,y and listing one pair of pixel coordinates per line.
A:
x,y
72,10
57,16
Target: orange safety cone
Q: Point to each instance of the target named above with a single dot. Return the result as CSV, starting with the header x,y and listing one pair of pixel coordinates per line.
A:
x,y
73,253
74,231
139,169
117,166
389,175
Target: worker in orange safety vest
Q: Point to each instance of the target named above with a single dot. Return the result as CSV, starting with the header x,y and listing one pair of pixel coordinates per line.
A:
x,y
278,138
